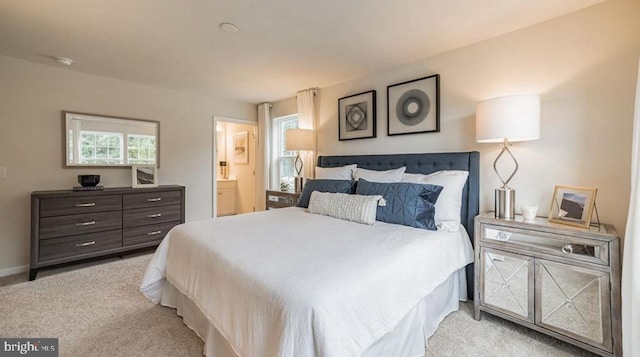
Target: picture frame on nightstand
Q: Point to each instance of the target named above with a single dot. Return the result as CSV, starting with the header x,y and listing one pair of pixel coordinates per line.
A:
x,y
573,205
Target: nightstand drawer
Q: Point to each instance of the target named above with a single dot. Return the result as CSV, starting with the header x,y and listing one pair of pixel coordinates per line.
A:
x,y
573,248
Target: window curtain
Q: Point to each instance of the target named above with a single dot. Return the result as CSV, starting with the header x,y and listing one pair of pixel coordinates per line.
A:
x,y
263,152
307,120
631,259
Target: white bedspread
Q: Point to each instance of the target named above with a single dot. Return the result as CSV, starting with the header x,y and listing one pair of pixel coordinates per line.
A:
x,y
291,284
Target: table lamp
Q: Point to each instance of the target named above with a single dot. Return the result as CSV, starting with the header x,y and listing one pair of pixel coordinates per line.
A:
x,y
507,119
299,140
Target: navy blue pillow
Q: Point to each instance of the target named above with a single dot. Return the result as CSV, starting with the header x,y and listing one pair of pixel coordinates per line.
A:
x,y
334,186
409,204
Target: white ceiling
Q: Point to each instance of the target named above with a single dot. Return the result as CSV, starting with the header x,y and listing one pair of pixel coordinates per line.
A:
x,y
282,46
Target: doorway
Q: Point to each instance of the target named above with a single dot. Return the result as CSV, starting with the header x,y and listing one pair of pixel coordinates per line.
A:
x,y
234,166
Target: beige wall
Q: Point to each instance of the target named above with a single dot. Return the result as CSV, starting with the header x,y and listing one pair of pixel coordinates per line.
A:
x,y
583,65
31,98
284,107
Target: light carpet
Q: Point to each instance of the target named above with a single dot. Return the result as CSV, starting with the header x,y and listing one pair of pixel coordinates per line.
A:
x,y
97,310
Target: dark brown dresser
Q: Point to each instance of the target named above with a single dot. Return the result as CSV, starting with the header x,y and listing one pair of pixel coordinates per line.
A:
x,y
69,226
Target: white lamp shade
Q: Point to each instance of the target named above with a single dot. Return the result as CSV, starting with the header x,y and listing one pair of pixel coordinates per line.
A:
x,y
515,117
300,140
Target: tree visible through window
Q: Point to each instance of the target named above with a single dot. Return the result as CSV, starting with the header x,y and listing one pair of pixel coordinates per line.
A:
x,y
101,148
110,148
141,149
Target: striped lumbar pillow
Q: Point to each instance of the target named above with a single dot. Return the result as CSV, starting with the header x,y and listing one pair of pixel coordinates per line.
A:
x,y
356,208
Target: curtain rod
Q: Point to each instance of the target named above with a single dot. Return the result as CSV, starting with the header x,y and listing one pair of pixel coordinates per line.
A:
x,y
315,90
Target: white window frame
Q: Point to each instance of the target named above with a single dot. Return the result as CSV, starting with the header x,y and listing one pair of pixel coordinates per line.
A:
x,y
278,151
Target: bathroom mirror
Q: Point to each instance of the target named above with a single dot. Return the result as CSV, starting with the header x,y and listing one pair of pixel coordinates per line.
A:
x,y
100,140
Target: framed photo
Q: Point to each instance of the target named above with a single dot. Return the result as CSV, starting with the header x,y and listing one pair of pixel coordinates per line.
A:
x,y
414,106
357,116
572,205
144,176
241,148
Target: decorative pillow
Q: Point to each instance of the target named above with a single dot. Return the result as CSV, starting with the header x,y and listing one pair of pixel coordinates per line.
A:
x,y
355,208
342,186
394,175
450,201
335,173
408,204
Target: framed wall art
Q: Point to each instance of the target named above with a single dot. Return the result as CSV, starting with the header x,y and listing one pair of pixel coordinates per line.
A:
x,y
144,176
414,106
572,205
357,116
240,147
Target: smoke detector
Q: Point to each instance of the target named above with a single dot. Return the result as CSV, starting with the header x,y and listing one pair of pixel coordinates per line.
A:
x,y
228,27
64,60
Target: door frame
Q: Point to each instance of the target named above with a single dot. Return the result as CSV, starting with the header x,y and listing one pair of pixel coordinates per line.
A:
x,y
222,119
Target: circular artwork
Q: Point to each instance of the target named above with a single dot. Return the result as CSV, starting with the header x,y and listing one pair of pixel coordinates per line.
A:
x,y
356,117
413,107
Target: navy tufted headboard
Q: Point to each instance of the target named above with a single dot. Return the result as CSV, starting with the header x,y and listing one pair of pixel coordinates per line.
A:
x,y
426,164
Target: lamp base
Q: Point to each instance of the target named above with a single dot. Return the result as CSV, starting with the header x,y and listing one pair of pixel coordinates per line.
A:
x,y
505,203
299,183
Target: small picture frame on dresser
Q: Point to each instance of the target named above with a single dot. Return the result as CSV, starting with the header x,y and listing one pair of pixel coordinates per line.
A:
x,y
572,205
144,176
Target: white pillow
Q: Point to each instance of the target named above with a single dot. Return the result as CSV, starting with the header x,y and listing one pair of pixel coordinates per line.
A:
x,y
355,208
394,175
335,173
449,202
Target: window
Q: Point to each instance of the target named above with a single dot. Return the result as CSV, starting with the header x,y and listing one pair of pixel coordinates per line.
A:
x,y
101,148
284,170
141,149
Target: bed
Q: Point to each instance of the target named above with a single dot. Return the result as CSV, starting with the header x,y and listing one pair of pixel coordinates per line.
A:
x,y
290,283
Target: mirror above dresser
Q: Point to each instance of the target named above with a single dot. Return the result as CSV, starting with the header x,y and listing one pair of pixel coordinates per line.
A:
x,y
98,140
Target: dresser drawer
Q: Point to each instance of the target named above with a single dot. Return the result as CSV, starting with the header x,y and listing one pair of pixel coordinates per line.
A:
x,y
52,227
146,234
151,199
152,215
75,246
76,205
572,248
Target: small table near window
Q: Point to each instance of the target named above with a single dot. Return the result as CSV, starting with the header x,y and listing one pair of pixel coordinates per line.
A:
x,y
281,199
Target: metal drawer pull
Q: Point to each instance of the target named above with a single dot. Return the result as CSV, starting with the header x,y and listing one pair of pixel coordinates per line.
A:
x,y
86,223
154,233
154,199
86,244
567,249
155,215
86,204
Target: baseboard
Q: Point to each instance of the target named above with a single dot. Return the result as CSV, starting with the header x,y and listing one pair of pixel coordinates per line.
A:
x,y
13,270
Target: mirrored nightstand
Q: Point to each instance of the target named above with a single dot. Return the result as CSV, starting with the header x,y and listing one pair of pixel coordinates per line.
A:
x,y
555,279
